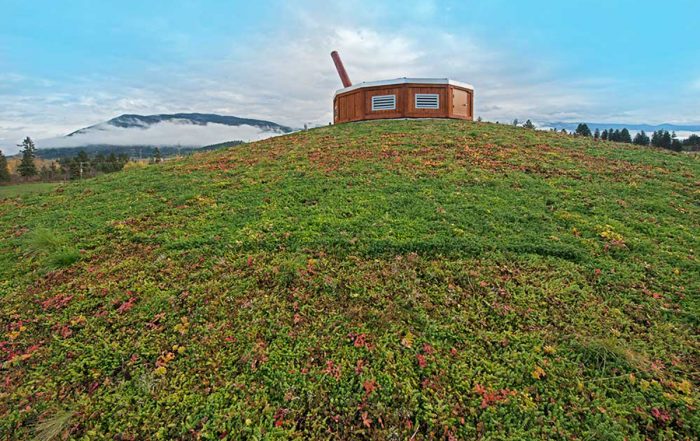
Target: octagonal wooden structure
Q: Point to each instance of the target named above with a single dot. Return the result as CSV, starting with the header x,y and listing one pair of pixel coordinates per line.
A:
x,y
404,98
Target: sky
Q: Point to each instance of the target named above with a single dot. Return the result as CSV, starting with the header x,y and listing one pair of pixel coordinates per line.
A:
x,y
74,63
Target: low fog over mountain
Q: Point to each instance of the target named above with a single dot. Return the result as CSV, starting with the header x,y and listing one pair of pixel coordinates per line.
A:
x,y
186,129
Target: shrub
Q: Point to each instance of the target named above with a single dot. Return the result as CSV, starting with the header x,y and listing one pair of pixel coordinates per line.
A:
x,y
135,165
56,249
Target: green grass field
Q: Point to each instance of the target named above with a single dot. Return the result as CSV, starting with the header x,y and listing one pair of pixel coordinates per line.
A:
x,y
12,191
386,280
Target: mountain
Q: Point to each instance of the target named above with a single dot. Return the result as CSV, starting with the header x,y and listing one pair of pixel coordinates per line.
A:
x,y
380,280
571,126
199,119
189,130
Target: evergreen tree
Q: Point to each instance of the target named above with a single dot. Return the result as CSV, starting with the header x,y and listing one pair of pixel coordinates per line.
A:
x,y
516,122
82,157
26,167
99,163
157,156
692,140
64,167
662,138
122,160
53,170
583,130
45,173
604,135
81,165
676,145
111,163
564,131
596,135
666,140
693,143
529,125
641,138
625,136
4,170
73,167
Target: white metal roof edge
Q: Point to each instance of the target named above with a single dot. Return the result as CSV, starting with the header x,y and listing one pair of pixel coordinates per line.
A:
x,y
405,81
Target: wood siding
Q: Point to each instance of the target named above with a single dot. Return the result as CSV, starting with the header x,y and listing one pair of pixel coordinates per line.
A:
x,y
460,103
356,105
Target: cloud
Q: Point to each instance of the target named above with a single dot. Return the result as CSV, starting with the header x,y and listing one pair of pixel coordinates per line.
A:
x,y
164,133
298,74
287,76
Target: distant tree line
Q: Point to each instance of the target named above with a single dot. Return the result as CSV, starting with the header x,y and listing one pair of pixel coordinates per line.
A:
x,y
75,162
79,166
616,135
83,166
527,124
134,151
660,138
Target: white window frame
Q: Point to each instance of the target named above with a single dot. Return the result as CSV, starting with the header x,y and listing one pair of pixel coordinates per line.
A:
x,y
376,108
435,96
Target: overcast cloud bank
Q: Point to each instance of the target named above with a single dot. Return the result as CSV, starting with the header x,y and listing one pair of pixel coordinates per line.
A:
x,y
284,74
161,134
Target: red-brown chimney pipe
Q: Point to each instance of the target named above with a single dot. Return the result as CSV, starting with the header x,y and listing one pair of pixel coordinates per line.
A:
x,y
341,69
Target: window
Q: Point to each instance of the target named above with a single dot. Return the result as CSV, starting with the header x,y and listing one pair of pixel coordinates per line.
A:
x,y
427,101
383,102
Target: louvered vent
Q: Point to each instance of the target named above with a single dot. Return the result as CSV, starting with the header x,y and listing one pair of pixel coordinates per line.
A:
x,y
383,102
427,101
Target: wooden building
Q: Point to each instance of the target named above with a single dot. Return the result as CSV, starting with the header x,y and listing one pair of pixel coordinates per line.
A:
x,y
401,98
